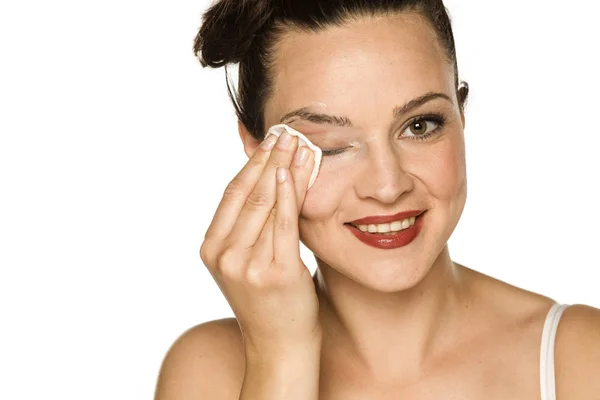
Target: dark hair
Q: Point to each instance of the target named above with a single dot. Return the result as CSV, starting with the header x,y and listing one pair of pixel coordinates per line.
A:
x,y
246,31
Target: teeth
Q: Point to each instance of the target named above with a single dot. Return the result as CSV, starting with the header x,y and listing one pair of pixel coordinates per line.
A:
x,y
395,226
383,228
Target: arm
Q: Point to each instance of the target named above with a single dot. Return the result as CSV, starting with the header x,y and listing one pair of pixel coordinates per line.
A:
x,y
251,249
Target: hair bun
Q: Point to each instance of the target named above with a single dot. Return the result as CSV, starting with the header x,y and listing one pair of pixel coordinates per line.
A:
x,y
228,30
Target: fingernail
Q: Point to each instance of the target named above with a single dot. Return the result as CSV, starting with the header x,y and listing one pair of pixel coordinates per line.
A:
x,y
301,142
284,141
269,142
281,174
301,156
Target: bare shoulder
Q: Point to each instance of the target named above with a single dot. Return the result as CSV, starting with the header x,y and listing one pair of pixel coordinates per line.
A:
x,y
577,353
206,361
577,345
506,301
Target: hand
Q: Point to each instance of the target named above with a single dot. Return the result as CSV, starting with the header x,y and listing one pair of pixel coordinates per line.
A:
x,y
252,249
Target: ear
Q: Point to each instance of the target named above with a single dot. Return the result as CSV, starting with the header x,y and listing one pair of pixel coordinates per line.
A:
x,y
249,142
462,117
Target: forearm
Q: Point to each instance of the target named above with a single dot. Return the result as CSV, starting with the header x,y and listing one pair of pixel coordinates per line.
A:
x,y
290,374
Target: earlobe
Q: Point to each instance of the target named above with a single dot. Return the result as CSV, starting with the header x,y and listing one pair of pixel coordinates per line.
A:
x,y
249,142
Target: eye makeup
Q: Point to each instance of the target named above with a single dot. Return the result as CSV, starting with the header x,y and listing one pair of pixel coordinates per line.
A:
x,y
437,118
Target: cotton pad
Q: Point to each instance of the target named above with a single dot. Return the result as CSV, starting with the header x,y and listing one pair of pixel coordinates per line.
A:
x,y
277,130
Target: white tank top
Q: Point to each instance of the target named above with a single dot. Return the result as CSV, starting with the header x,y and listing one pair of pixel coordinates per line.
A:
x,y
547,351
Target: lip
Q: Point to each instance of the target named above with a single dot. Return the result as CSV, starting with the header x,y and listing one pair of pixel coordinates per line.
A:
x,y
383,219
388,242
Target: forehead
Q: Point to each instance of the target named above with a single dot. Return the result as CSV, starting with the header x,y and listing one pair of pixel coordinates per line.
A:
x,y
369,63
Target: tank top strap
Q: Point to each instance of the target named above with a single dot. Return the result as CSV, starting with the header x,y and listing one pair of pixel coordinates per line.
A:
x,y
547,383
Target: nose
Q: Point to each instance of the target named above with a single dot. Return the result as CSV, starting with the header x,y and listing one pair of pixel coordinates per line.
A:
x,y
384,177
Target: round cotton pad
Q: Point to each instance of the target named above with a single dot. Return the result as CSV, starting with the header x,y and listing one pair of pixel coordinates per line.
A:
x,y
303,141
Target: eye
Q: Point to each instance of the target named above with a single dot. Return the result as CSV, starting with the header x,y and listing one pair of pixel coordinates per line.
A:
x,y
333,152
422,127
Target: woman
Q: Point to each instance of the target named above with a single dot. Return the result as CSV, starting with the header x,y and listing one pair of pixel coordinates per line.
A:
x,y
388,314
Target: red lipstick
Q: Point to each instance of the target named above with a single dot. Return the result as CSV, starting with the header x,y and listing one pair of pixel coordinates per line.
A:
x,y
388,242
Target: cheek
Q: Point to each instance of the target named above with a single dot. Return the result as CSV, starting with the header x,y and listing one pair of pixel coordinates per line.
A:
x,y
445,175
326,195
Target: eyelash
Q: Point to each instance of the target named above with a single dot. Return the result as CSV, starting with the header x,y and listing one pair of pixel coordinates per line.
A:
x,y
437,118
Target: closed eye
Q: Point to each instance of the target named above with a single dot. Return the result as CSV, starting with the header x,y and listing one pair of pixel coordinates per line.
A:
x,y
333,152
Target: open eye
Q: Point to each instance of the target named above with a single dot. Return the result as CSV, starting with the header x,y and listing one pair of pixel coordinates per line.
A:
x,y
424,126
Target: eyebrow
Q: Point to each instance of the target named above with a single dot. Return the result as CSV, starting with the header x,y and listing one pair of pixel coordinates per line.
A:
x,y
342,121
317,118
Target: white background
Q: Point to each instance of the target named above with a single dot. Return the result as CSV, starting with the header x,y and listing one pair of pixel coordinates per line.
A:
x,y
116,145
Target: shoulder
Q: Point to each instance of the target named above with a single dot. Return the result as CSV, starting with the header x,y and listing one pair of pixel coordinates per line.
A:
x,y
206,361
577,353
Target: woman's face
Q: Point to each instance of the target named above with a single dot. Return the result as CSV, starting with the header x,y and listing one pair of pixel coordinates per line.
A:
x,y
363,74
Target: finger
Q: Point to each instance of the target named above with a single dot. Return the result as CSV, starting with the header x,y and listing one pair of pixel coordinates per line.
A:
x,y
286,241
260,202
262,250
301,170
239,189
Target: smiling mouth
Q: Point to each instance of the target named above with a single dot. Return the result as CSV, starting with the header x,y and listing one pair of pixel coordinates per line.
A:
x,y
387,229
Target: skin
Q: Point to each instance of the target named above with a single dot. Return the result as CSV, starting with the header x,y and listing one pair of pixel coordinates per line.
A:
x,y
407,322
402,320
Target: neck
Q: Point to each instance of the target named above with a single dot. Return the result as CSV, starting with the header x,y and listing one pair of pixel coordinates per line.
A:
x,y
387,335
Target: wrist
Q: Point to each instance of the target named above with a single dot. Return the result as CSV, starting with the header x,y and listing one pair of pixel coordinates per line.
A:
x,y
271,352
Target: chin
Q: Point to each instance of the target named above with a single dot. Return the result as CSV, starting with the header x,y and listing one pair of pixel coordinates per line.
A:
x,y
390,276
385,276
